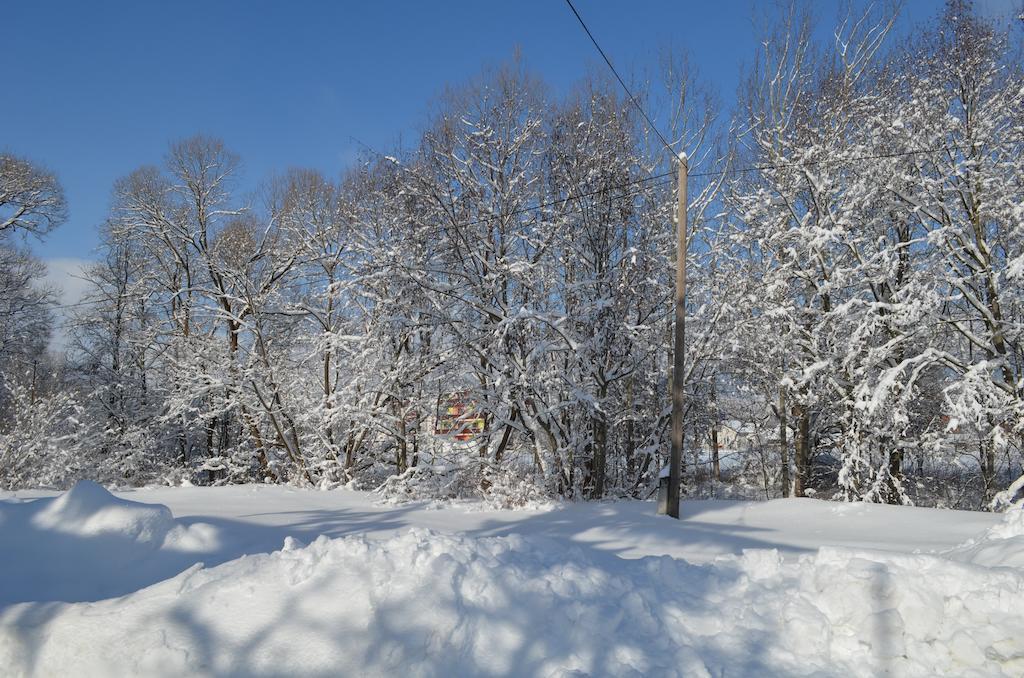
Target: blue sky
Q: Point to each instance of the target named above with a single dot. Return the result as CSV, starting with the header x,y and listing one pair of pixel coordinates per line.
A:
x,y
95,89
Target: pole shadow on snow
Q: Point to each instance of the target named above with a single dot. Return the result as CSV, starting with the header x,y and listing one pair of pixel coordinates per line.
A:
x,y
886,624
625,528
596,537
518,625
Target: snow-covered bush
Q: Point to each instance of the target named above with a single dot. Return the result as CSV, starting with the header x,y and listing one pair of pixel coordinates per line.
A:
x,y
499,487
39,437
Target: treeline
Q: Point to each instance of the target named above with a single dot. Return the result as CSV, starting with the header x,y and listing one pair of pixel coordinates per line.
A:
x,y
488,312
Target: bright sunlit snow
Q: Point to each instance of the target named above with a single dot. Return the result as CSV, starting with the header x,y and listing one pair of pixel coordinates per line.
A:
x,y
250,580
409,407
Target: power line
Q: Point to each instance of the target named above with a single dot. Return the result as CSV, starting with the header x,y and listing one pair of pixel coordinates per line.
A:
x,y
639,191
562,201
53,306
720,172
523,210
633,194
836,161
622,82
84,302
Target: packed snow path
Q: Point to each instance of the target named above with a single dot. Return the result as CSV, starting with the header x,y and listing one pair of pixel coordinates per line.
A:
x,y
795,587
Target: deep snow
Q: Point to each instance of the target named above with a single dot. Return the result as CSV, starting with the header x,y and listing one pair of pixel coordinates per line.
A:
x,y
792,587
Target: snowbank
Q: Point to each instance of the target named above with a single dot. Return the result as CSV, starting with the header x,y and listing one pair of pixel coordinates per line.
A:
x,y
88,510
87,544
420,602
427,604
1001,546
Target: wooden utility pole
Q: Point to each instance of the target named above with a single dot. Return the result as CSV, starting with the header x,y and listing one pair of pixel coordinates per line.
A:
x,y
678,355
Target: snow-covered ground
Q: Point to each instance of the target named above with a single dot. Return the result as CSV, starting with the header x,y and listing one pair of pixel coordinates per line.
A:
x,y
277,581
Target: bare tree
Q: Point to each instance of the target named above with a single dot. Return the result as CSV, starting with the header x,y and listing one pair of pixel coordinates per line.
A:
x,y
31,199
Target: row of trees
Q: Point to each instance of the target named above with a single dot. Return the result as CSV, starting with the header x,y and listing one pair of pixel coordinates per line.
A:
x,y
33,422
886,235
315,334
855,295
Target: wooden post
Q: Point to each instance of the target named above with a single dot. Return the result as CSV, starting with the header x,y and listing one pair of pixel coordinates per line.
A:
x,y
679,344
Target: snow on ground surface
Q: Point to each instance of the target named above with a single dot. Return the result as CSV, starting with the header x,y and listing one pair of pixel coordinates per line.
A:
x,y
302,582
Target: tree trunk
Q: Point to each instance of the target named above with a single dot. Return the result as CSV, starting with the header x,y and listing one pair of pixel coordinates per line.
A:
x,y
599,430
895,477
716,471
802,452
630,433
783,443
988,468
402,449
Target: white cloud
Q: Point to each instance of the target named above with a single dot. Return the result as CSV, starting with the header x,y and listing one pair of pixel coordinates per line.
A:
x,y
65,275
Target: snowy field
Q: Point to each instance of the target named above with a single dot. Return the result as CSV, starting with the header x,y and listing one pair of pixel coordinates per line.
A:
x,y
271,580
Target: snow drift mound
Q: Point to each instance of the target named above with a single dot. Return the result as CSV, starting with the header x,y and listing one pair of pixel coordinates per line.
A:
x,y
87,544
89,510
1002,545
427,604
